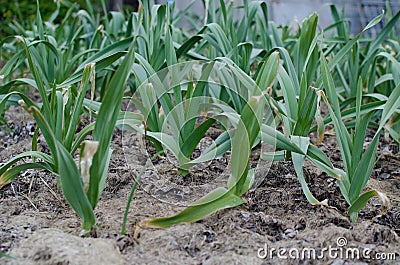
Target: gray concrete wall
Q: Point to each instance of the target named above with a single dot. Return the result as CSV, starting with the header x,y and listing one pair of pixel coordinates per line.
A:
x,y
360,12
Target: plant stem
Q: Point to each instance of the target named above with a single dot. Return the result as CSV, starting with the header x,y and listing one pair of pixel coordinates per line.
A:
x,y
128,204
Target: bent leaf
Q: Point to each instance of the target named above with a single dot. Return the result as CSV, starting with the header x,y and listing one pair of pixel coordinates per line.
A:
x,y
217,199
363,200
12,173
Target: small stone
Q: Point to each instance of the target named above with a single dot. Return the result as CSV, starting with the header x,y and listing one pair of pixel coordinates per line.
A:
x,y
245,216
384,176
290,233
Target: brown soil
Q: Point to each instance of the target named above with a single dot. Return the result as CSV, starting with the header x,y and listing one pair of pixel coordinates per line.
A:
x,y
38,227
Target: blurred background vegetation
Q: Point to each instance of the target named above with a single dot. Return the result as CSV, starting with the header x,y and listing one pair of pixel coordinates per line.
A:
x,y
23,11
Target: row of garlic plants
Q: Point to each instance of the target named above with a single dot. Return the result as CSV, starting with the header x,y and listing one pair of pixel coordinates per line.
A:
x,y
254,77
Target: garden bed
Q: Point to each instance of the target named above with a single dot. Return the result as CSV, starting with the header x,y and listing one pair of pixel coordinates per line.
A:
x,y
39,227
250,142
